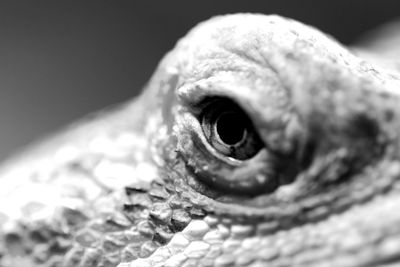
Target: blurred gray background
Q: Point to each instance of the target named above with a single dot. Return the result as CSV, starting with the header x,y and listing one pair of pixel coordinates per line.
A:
x,y
62,59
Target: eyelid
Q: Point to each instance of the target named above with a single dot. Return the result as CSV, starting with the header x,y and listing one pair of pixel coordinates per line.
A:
x,y
224,84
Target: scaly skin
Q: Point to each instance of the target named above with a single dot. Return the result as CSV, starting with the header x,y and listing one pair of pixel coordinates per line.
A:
x,y
142,186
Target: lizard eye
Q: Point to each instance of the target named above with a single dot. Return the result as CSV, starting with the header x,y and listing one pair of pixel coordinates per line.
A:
x,y
229,131
223,151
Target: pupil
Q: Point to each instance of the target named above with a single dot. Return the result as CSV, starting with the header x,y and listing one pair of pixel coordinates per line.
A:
x,y
231,128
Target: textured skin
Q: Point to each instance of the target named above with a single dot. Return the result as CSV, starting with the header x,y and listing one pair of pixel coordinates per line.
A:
x,y
140,186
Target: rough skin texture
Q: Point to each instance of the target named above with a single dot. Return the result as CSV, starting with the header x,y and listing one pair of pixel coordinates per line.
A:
x,y
140,185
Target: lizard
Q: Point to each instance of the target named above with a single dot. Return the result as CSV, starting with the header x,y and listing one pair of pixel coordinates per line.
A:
x,y
258,141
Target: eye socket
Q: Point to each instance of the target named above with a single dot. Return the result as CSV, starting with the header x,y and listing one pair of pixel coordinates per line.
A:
x,y
229,130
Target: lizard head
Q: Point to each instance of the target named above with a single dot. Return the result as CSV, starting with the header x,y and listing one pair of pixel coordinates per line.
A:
x,y
251,107
271,125
259,141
